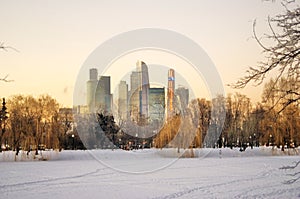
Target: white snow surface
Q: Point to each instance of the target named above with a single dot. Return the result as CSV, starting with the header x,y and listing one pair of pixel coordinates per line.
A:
x,y
152,173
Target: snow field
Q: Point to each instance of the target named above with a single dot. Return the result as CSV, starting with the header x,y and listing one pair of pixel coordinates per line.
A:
x,y
256,173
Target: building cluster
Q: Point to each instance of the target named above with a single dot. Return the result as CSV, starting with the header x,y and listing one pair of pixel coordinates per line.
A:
x,y
99,97
139,102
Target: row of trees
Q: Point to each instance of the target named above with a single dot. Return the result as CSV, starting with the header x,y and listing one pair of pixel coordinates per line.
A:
x,y
277,117
236,121
35,124
30,123
269,122
231,121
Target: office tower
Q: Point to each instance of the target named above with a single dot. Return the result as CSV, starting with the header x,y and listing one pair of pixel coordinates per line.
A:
x,y
170,92
123,100
182,96
134,96
103,96
91,89
144,92
139,93
157,104
93,73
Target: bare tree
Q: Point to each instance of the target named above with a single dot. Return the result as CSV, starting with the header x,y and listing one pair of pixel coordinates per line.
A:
x,y
282,128
282,56
238,126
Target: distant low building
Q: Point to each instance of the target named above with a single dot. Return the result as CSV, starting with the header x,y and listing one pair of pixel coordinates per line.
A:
x,y
81,109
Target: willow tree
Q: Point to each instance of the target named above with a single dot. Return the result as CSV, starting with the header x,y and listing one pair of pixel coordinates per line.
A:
x,y
30,121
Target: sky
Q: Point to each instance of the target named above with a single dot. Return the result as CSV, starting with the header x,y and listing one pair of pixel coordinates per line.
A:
x,y
54,38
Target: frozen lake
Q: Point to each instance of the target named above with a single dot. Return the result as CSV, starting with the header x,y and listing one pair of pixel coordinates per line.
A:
x,y
257,173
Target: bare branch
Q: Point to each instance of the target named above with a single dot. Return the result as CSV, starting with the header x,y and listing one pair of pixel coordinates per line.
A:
x,y
289,102
3,47
283,56
5,79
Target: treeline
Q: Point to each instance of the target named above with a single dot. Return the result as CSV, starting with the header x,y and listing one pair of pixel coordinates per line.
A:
x,y
248,124
234,121
231,121
274,121
34,124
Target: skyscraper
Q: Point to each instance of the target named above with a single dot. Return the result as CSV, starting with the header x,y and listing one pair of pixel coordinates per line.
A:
x,y
139,92
91,89
170,92
134,96
103,96
93,73
123,100
144,92
157,104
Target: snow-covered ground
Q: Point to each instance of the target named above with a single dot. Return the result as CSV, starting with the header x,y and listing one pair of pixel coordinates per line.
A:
x,y
213,173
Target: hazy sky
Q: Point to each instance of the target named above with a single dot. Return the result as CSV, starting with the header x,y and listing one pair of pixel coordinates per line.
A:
x,y
55,37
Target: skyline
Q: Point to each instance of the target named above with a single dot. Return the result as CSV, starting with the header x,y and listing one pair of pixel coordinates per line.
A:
x,y
136,97
160,81
54,40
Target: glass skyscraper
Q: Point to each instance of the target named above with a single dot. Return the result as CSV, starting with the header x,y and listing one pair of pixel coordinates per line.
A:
x,y
99,97
91,89
139,93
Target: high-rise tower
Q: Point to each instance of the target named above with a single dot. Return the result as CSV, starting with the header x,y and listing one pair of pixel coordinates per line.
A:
x,y
91,89
139,93
134,95
170,92
123,100
144,91
103,96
